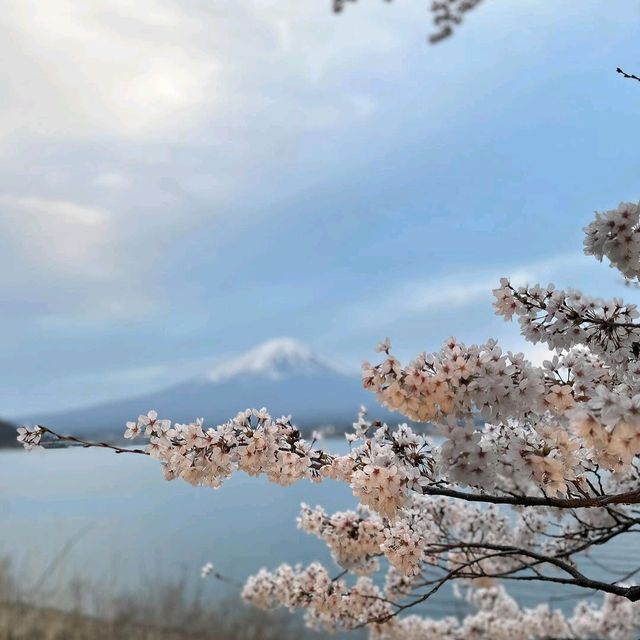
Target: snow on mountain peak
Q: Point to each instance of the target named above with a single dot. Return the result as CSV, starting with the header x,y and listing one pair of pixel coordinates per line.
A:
x,y
275,359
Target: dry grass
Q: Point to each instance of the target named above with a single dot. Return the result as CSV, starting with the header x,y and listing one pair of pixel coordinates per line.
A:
x,y
163,611
21,622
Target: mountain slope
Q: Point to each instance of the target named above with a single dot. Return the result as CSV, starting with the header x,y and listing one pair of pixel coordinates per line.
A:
x,y
8,435
282,375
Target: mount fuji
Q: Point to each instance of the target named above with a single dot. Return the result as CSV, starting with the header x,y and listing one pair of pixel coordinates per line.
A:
x,y
283,375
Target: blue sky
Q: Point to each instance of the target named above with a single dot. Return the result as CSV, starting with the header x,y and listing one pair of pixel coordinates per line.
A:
x,y
180,181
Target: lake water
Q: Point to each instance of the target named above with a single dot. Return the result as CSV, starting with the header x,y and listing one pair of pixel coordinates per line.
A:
x,y
128,526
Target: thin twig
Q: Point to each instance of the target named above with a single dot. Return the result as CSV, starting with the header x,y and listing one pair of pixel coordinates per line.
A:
x,y
87,443
624,74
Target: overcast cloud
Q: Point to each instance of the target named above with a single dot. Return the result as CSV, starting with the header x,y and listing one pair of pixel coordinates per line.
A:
x,y
182,180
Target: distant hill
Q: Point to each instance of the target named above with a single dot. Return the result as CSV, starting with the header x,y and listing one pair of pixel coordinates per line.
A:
x,y
283,375
8,435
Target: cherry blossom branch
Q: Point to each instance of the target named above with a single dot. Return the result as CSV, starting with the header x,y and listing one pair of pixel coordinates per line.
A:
x,y
578,579
627,498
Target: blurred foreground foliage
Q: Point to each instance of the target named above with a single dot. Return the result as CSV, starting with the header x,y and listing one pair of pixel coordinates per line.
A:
x,y
161,611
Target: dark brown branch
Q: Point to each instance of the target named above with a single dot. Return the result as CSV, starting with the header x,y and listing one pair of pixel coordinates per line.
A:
x,y
624,74
629,497
579,579
493,551
438,584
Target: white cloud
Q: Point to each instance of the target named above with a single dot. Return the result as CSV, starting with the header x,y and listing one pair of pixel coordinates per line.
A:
x,y
127,66
63,261
57,235
461,290
157,68
111,180
456,291
245,78
148,375
161,111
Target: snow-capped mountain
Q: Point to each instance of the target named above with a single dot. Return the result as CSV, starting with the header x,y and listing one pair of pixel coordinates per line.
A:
x,y
273,360
283,375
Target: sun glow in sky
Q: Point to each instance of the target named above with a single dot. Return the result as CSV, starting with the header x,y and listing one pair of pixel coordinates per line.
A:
x,y
183,180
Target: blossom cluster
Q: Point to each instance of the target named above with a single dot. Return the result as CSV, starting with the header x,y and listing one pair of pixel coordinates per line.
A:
x,y
328,602
354,538
616,235
456,383
332,605
609,424
30,438
528,438
451,536
562,319
252,442
381,471
414,537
